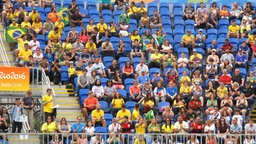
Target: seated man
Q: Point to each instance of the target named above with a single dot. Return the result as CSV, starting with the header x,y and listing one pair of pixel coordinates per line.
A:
x,y
200,39
98,117
224,13
136,50
78,127
99,68
211,69
107,48
225,78
83,82
54,34
169,60
227,46
48,26
233,30
212,22
213,46
195,104
155,59
241,59
188,12
89,104
24,55
76,20
188,39
196,59
236,11
122,113
155,21
102,27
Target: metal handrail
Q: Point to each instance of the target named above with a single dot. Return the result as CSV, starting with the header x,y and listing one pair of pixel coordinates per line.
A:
x,y
4,54
46,84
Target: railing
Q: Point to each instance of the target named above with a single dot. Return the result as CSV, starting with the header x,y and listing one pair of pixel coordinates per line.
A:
x,y
46,84
129,138
3,54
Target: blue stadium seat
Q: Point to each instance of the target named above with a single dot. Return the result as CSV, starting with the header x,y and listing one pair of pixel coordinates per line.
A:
x,y
178,32
167,24
108,118
40,10
64,73
83,94
94,12
114,40
152,5
164,5
106,13
91,5
182,50
79,29
221,41
103,81
108,19
104,106
253,62
181,70
133,22
222,33
234,41
57,3
162,105
189,24
136,61
117,13
212,33
67,29
122,61
241,40
66,3
101,130
168,31
80,4
41,39
200,51
243,72
179,24
123,93
223,24
130,105
47,10
107,60
143,31
28,9
152,72
165,14
177,15
209,40
177,6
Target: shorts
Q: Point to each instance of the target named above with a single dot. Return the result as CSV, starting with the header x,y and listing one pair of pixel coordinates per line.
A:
x,y
124,33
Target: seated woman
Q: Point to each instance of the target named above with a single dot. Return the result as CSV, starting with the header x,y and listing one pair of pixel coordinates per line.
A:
x,y
184,78
197,77
64,128
166,47
145,40
226,104
159,92
182,61
211,103
168,113
178,103
124,27
242,104
144,20
37,26
117,80
49,127
127,70
214,9
148,100
186,91
109,91
117,103
98,90
112,30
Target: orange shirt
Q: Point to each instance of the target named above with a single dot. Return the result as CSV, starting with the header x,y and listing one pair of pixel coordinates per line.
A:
x,y
91,101
224,13
128,69
53,16
135,90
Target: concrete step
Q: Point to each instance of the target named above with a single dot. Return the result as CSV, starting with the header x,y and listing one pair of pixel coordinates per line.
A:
x,y
65,101
70,106
23,139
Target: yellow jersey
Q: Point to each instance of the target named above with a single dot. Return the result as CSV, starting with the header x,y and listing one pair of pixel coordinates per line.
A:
x,y
222,91
117,103
120,114
97,114
52,35
101,27
135,114
71,71
25,24
90,47
33,15
233,29
49,128
25,54
48,107
21,43
38,25
141,129
167,128
59,25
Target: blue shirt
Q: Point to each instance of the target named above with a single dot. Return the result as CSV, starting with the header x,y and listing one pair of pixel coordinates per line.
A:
x,y
143,79
246,48
241,58
98,56
172,91
78,127
17,6
213,46
236,128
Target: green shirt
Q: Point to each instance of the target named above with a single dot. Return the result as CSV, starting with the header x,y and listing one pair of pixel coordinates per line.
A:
x,y
154,128
150,115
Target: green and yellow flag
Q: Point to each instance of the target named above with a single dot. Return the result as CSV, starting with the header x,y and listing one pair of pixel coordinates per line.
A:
x,y
12,32
64,14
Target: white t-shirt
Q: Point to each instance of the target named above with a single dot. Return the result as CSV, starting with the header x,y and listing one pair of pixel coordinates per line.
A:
x,y
89,130
167,47
239,119
209,128
98,90
250,129
184,124
34,44
116,127
143,67
100,67
182,60
35,56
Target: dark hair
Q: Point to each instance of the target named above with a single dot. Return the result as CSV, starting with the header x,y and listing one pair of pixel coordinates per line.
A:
x,y
63,119
96,82
48,90
109,81
17,99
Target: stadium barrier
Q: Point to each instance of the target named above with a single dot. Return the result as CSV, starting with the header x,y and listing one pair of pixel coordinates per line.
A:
x,y
3,54
44,138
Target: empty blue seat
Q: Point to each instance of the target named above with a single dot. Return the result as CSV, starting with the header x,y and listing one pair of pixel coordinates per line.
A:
x,y
152,72
117,13
223,24
91,5
130,105
162,105
200,51
212,33
253,62
114,40
181,70
41,39
101,130
123,93
233,41
177,6
152,5
164,5
243,72
189,24
104,106
108,118
103,81
182,50
122,61
106,12
222,33
66,3
64,73
94,12
179,24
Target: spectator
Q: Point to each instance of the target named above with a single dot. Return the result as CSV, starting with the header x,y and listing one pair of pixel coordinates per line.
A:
x,y
84,36
143,78
169,60
171,92
90,27
49,126
244,48
97,139
98,90
102,27
200,39
73,8
115,126
48,104
168,114
225,78
99,68
213,46
48,26
188,39
82,82
224,13
64,128
105,4
237,77
123,115
89,104
6,7
89,130
96,55
117,103
171,75
236,11
195,104
222,90
17,112
153,127
250,127
159,93
141,67
238,116
28,105
90,46
72,35
33,15
76,19
249,93
241,59
78,126
245,29
197,126
211,69
112,30
136,113
126,125
146,90
188,12
54,34
113,138
242,104
181,127
134,91
109,91
98,116
202,11
140,140
120,5
53,15
182,61
233,30
236,128
195,59
226,104
212,21
124,27
227,60
37,26
155,21
214,9
107,48
24,55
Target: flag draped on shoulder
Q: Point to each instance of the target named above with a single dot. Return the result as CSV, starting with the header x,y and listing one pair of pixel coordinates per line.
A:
x,y
12,32
64,14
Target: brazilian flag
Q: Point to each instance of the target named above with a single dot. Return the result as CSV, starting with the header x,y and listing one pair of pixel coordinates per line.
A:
x,y
64,14
12,32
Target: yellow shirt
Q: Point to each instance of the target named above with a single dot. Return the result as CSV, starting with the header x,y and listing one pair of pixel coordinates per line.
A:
x,y
59,25
90,27
117,103
71,71
222,91
48,107
188,38
192,57
112,29
10,16
18,12
185,90
101,27
38,25
167,129
149,102
21,43
141,10
52,127
233,29
183,79
11,25
25,54
25,24
135,114
33,15
252,38
52,35
66,46
154,56
132,10
90,47
135,37
137,141
120,114
97,114
141,129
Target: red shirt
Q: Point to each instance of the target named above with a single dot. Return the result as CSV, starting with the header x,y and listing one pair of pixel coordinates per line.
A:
x,y
126,127
195,105
253,48
91,101
172,78
226,79
225,47
197,128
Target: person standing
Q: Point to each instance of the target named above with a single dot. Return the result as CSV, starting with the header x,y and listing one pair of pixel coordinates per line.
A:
x,y
17,112
48,104
28,105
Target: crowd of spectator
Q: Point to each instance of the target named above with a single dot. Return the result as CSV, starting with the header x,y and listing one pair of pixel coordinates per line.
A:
x,y
197,85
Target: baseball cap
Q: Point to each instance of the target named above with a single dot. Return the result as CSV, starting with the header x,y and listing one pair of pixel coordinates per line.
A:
x,y
194,50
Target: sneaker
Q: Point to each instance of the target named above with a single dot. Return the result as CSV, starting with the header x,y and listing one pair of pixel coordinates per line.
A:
x,y
75,95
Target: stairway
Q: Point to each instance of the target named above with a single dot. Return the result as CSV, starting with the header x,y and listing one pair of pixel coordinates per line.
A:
x,y
253,114
69,106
